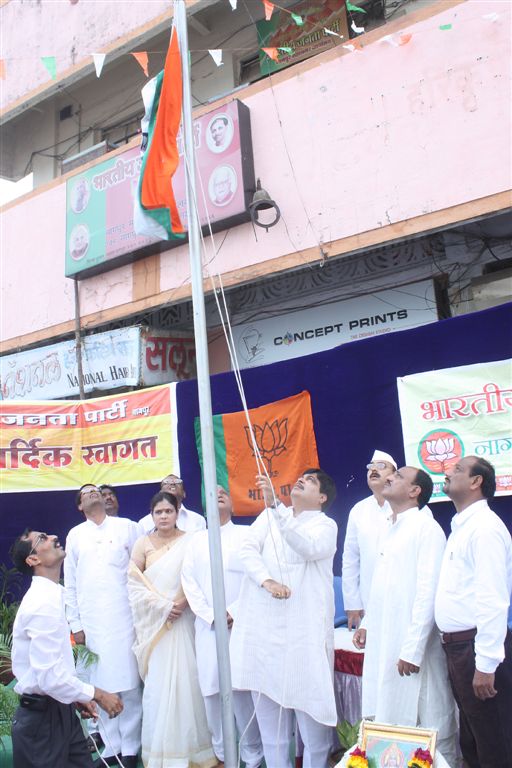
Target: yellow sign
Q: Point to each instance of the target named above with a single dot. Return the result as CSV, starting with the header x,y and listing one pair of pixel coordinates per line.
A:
x,y
58,444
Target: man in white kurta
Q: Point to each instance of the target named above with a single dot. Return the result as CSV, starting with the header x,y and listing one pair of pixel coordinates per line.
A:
x,y
282,643
188,520
367,521
405,680
197,585
97,608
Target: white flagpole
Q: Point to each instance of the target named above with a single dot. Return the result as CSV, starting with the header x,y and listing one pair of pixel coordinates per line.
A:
x,y
205,406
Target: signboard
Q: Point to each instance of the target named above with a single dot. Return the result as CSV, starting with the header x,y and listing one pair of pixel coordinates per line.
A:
x,y
109,360
167,356
306,40
319,328
457,412
99,201
50,446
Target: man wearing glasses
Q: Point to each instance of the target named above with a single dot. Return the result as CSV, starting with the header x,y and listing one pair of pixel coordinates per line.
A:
x,y
188,520
95,575
366,522
46,731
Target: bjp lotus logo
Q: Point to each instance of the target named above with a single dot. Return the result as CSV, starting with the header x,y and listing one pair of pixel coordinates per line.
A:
x,y
440,450
270,439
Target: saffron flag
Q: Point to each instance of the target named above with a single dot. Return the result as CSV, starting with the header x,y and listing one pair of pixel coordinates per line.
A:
x,y
285,437
155,210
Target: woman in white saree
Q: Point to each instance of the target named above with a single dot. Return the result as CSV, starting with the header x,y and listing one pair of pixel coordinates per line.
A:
x,y
174,728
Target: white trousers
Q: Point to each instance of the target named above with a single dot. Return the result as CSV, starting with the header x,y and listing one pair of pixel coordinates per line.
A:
x,y
121,734
251,748
276,729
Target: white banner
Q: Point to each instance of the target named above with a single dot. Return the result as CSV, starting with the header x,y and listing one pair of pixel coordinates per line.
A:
x,y
295,334
109,360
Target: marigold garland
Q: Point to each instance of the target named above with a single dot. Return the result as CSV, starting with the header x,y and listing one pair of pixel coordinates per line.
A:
x,y
421,759
357,759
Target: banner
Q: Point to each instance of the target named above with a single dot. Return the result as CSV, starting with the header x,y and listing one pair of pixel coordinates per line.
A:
x,y
121,440
285,436
457,412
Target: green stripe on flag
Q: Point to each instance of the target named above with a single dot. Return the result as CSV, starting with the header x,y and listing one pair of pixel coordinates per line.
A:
x,y
220,453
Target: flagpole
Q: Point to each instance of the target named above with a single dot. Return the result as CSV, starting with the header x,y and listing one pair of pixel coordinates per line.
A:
x,y
205,406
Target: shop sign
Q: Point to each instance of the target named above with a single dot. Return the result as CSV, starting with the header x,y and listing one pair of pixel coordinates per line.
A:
x,y
99,201
167,356
324,327
109,360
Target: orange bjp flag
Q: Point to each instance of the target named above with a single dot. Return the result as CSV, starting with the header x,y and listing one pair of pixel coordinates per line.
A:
x,y
285,436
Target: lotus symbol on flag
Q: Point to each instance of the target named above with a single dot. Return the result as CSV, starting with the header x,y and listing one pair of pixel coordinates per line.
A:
x,y
270,439
440,449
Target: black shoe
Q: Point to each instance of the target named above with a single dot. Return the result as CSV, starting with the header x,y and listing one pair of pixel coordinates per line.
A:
x,y
130,761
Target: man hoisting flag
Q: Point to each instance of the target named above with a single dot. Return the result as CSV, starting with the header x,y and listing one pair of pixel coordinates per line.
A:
x,y
155,212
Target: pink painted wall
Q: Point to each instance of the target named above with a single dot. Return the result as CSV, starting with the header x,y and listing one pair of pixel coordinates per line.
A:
x,y
70,32
357,143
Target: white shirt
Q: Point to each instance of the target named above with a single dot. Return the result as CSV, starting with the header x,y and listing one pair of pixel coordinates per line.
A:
x,y
197,585
367,521
95,578
187,521
42,659
285,648
476,581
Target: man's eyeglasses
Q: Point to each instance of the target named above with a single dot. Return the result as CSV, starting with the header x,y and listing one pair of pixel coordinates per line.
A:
x,y
40,538
377,465
176,481
88,490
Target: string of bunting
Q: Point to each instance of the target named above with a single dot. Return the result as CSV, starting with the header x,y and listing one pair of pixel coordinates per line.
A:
x,y
395,40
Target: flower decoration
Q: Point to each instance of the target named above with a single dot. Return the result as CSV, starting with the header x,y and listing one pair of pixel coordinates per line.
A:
x,y
440,449
421,759
357,759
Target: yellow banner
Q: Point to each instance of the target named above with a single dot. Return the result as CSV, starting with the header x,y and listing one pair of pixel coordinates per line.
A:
x,y
58,444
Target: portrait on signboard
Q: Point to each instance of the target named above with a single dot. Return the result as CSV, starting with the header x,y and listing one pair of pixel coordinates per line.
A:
x,y
388,746
80,195
79,242
222,185
219,133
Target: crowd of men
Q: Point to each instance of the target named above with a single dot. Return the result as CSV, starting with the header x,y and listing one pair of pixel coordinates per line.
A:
x,y
430,615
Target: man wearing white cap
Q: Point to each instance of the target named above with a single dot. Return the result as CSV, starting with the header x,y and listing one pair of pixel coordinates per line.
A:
x,y
366,522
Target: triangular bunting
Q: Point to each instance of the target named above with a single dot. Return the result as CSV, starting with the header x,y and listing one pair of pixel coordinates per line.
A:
x,y
2,69
216,54
356,29
351,7
445,27
272,53
330,32
142,58
50,62
353,46
269,9
233,4
99,60
297,19
404,39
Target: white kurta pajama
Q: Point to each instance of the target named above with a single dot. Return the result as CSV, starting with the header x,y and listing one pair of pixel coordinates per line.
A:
x,y
400,625
197,585
283,650
95,578
367,521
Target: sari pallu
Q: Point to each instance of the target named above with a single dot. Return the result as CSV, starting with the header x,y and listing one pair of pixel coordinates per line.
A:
x,y
174,729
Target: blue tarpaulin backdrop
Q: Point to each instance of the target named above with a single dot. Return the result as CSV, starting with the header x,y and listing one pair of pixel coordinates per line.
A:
x,y
355,409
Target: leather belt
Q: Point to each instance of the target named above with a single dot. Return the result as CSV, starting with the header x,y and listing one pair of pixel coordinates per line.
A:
x,y
458,637
35,701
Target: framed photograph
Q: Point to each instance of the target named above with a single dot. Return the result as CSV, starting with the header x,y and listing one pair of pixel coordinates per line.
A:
x,y
389,746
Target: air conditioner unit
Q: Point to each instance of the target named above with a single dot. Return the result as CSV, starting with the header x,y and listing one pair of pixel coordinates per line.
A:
x,y
75,161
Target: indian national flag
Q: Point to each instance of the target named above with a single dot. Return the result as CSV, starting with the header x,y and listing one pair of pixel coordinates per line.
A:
x,y
155,212
285,436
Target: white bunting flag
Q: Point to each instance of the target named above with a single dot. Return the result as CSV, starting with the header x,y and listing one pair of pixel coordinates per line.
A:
x,y
233,4
99,60
357,30
330,32
491,16
216,55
